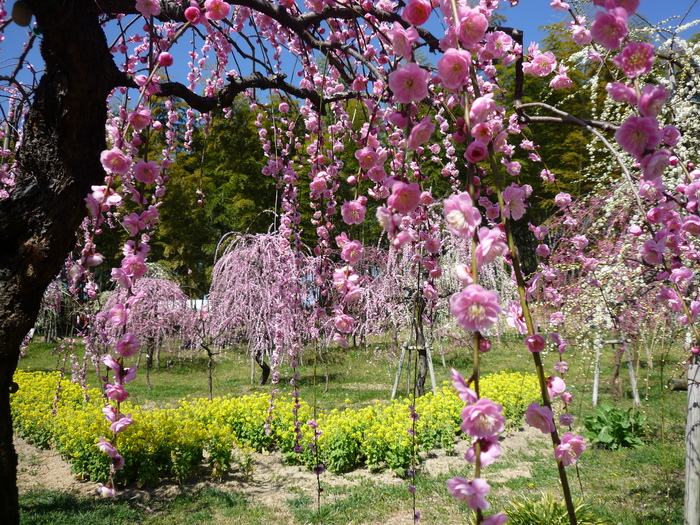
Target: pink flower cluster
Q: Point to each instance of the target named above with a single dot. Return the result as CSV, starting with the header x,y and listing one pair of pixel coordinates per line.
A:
x,y
483,420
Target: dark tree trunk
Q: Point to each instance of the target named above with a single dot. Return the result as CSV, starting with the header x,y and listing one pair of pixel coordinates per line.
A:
x,y
64,133
260,359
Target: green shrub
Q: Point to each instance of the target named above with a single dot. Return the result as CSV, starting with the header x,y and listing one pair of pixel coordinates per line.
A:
x,y
614,428
548,511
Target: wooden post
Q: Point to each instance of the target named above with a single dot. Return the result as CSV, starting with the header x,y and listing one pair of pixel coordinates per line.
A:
x,y
596,376
432,370
692,447
398,372
633,378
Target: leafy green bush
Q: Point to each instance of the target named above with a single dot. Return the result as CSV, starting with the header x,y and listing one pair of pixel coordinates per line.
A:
x,y
548,511
614,428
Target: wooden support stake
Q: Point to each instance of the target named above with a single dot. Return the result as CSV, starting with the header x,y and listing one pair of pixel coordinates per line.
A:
x,y
432,370
398,372
633,378
692,447
596,376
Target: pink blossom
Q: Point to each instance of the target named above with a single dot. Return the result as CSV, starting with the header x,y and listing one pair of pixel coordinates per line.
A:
x,y
464,274
561,80
496,519
465,393
165,59
118,314
652,100
148,8
106,491
405,197
652,252
620,92
610,27
453,68
146,172
476,151
654,164
470,492
638,134
562,200
193,14
555,386
140,119
561,366
570,449
540,417
543,251
558,5
121,424
128,345
344,323
491,245
420,133
475,308
216,9
134,266
691,224
368,158
670,135
498,44
106,446
116,392
409,83
635,59
670,299
110,362
580,33
353,212
417,12
490,451
388,220
579,242
541,64
133,224
402,39
515,318
471,26
513,202
461,217
482,132
567,397
114,161
535,343
481,108
352,252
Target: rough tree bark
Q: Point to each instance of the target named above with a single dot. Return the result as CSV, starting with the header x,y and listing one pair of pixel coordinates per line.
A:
x,y
64,134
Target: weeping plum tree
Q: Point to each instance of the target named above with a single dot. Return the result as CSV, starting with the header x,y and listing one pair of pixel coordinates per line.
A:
x,y
80,135
158,317
257,299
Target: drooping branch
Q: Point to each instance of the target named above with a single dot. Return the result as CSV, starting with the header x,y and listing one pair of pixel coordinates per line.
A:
x,y
236,86
565,117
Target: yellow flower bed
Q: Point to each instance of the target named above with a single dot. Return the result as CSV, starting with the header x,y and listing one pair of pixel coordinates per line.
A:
x,y
172,442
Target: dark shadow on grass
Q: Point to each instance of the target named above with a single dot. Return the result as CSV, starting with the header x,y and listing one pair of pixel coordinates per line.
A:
x,y
54,507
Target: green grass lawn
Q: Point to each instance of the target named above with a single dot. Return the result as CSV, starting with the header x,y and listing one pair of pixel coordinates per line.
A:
x,y
628,486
